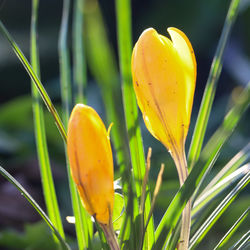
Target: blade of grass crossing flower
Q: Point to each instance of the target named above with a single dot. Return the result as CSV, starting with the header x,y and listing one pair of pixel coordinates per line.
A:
x,y
123,14
209,93
231,231
29,198
205,162
36,81
82,220
215,215
79,67
39,126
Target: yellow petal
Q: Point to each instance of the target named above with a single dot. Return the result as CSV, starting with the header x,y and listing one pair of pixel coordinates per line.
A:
x,y
91,161
164,83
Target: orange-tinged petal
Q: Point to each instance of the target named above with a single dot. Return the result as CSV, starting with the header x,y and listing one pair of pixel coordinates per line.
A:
x,y
91,162
164,74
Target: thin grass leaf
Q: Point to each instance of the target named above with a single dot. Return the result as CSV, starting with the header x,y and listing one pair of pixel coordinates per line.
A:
x,y
206,198
206,161
209,93
215,215
39,126
233,164
231,231
82,223
29,198
79,66
123,14
242,243
35,80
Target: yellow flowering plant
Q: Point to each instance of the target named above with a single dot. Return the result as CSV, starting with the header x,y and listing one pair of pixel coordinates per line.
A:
x,y
158,75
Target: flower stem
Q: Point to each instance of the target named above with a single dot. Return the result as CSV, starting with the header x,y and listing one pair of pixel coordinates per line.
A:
x,y
110,236
179,158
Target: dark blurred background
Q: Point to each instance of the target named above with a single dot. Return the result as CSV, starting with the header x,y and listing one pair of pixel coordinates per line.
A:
x,y
202,22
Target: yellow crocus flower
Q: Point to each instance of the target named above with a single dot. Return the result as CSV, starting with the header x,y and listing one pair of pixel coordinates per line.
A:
x,y
164,75
91,162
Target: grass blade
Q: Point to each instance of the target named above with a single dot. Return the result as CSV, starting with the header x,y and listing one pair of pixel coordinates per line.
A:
x,y
215,215
233,164
209,93
35,80
123,14
82,224
242,243
231,231
206,161
39,126
206,198
79,67
13,181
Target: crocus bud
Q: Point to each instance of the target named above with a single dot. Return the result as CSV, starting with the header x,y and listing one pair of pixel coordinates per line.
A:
x,y
91,162
164,75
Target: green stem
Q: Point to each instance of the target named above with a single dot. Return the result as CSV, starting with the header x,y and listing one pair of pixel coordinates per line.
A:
x,y
181,165
110,236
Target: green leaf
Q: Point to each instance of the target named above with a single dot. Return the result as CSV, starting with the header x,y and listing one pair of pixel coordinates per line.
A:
x,y
215,215
231,231
79,66
217,190
118,211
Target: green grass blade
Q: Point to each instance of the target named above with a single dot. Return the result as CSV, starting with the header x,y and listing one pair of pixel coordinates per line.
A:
x,y
29,198
242,243
79,66
64,63
233,164
219,189
35,80
39,126
81,218
206,161
209,93
123,14
231,231
215,215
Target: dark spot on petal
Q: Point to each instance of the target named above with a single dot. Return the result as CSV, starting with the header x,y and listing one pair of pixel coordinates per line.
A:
x,y
150,83
148,103
136,83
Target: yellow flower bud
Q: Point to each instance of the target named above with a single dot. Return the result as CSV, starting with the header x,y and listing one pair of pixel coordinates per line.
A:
x,y
164,75
91,162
